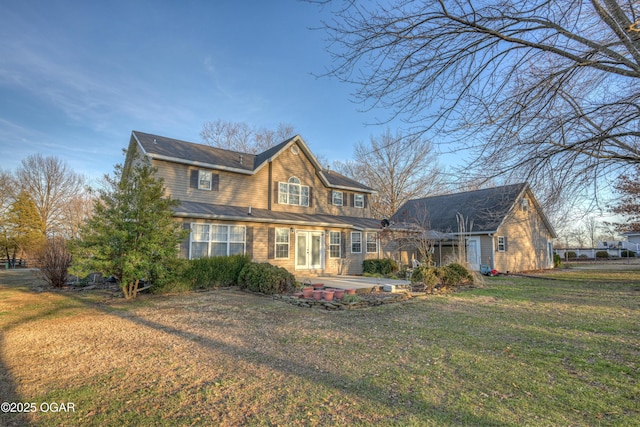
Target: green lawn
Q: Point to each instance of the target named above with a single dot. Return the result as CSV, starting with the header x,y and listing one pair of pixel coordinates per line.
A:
x,y
563,350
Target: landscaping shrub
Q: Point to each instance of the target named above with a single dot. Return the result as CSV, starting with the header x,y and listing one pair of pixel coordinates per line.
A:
x,y
446,276
571,255
426,275
384,266
266,278
210,272
583,256
174,278
602,254
627,253
56,261
456,274
557,260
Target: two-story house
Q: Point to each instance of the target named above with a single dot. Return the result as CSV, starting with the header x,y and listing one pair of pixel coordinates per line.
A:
x,y
279,206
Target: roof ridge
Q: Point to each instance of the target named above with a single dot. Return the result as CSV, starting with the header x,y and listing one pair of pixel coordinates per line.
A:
x,y
521,184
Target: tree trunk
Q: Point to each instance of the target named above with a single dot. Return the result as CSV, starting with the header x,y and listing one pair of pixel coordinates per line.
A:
x,y
130,289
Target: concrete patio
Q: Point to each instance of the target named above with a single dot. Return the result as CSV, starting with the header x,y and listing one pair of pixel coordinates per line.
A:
x,y
351,282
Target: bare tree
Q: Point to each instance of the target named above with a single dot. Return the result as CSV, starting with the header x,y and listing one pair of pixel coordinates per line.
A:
x,y
52,186
545,91
240,136
592,227
399,168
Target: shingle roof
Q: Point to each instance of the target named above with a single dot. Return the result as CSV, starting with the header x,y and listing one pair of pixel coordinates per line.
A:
x,y
176,150
483,210
235,213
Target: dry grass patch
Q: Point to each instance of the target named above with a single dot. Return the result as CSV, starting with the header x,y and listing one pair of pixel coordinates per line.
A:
x,y
518,351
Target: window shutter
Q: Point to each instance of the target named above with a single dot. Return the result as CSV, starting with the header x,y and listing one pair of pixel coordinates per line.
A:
x,y
344,198
193,183
271,243
276,195
343,244
353,200
505,244
366,200
184,245
249,241
310,197
215,182
330,201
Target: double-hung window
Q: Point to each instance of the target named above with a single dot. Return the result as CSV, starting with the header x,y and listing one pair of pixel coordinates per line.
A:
x,y
356,242
208,240
358,201
502,244
334,244
282,243
337,198
204,180
293,193
372,242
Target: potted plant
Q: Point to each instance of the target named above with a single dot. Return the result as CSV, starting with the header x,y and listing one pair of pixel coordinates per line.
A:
x,y
317,294
307,292
338,294
328,294
318,285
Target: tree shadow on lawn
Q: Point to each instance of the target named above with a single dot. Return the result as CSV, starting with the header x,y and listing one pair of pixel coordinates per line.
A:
x,y
291,367
9,394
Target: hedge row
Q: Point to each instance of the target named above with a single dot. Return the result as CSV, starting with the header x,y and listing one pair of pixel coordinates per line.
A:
x,y
385,266
235,270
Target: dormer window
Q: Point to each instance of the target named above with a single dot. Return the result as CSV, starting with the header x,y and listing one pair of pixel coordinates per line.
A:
x,y
293,193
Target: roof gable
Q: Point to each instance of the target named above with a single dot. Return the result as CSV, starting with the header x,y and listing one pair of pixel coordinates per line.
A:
x,y
483,210
178,151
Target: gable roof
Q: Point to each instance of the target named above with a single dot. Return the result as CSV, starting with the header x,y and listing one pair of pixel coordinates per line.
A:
x,y
190,153
483,210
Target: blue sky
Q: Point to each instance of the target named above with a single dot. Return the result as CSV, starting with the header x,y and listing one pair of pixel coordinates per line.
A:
x,y
76,77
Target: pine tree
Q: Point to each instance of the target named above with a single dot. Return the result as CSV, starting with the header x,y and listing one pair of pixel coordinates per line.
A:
x,y
132,234
23,228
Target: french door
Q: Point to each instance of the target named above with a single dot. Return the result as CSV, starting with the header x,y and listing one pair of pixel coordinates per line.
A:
x,y
309,250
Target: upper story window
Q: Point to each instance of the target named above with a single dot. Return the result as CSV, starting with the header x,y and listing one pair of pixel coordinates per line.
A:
x,y
293,193
336,198
204,180
358,201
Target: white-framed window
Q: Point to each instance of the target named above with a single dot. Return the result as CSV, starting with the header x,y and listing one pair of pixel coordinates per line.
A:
x,y
356,242
334,244
282,243
336,198
293,193
372,243
358,201
204,180
502,243
208,240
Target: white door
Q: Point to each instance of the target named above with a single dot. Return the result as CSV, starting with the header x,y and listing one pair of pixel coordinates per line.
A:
x,y
473,253
309,250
